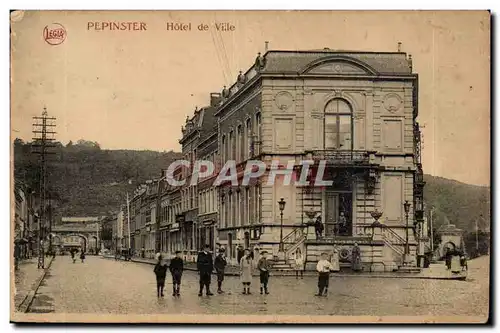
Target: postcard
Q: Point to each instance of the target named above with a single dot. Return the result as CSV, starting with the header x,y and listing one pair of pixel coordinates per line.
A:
x,y
250,166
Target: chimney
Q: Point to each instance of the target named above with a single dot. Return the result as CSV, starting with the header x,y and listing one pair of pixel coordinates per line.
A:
x,y
267,46
214,99
399,46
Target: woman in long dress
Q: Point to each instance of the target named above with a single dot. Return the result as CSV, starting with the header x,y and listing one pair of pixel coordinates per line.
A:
x,y
299,264
246,268
335,261
356,258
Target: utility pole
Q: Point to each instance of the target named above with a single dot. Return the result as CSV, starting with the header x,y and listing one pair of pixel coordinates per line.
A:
x,y
477,237
97,239
43,135
432,230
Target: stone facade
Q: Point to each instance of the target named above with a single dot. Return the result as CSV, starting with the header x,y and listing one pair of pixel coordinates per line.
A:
x,y
355,110
323,104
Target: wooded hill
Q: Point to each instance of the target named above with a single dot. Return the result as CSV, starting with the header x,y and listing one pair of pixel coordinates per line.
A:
x,y
88,181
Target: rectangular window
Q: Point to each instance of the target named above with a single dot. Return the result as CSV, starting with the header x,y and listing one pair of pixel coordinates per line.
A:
x,y
393,135
258,125
237,208
223,214
242,207
259,203
249,139
393,198
241,144
231,146
230,210
247,206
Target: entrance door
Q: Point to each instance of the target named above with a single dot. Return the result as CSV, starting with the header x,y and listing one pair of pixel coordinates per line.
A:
x,y
331,213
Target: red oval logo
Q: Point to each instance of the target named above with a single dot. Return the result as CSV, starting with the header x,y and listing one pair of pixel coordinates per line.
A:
x,y
54,34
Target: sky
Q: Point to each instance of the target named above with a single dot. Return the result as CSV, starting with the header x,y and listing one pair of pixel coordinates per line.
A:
x,y
134,89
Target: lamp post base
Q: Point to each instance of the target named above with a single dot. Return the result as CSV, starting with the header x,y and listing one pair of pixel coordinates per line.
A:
x,y
281,255
408,260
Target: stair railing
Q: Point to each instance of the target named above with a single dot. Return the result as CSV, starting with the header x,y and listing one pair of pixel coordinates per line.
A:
x,y
293,240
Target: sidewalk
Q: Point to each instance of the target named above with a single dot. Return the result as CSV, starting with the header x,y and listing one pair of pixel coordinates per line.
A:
x,y
435,271
27,279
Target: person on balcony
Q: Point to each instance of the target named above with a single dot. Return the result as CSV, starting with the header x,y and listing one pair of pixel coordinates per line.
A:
x,y
299,264
356,258
342,223
318,227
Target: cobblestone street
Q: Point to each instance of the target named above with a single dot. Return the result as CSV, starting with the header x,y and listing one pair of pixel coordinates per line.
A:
x,y
116,287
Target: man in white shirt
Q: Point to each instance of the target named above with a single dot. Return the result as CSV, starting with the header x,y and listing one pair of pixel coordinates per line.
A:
x,y
323,267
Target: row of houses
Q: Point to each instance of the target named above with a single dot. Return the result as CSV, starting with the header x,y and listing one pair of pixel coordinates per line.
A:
x,y
25,221
355,110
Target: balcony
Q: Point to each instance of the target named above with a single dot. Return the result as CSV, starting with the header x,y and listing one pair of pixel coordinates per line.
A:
x,y
344,157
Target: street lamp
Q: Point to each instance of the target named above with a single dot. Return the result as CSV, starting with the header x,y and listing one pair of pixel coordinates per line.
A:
x,y
281,204
407,210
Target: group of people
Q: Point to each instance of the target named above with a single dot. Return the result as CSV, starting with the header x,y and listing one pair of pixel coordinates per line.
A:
x,y
455,260
339,228
73,253
176,269
206,264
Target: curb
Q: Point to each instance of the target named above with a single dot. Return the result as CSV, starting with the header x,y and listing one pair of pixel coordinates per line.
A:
x,y
333,275
26,303
185,268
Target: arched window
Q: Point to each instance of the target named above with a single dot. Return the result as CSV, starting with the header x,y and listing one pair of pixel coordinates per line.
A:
x,y
231,147
338,126
258,133
241,145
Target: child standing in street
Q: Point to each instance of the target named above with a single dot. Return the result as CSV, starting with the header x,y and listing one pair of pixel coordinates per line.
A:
x,y
323,267
220,264
161,273
264,266
246,268
176,268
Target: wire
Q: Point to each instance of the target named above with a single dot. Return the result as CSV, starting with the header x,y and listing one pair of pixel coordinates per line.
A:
x,y
219,58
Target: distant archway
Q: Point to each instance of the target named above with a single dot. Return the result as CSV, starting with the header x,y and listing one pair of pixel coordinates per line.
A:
x,y
74,241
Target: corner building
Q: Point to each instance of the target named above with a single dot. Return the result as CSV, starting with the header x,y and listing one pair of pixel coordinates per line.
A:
x,y
355,110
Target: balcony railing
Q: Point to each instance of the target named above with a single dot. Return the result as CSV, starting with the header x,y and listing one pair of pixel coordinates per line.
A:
x,y
343,157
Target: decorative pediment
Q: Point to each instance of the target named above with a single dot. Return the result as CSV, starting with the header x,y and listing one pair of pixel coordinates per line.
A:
x,y
337,68
339,65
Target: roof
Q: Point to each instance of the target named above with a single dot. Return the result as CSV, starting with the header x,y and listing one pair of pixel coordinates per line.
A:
x,y
209,124
449,228
296,61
